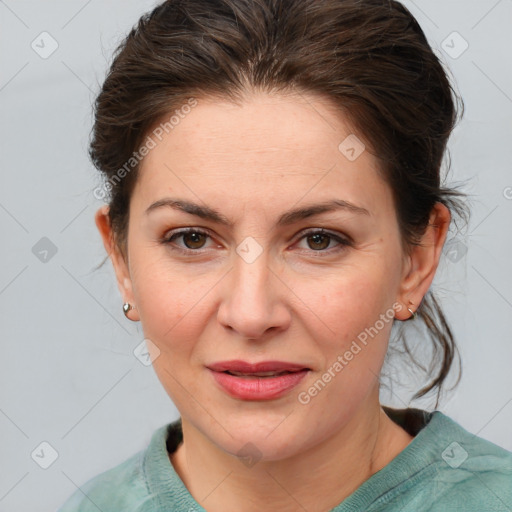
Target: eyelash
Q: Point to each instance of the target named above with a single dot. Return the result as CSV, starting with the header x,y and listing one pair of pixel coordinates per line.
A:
x,y
343,242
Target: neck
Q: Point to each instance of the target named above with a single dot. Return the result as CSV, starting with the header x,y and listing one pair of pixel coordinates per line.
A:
x,y
219,482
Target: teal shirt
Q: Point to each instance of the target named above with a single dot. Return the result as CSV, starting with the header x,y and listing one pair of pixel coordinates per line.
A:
x,y
443,469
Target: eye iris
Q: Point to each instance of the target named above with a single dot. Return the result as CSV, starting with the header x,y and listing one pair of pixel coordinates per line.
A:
x,y
317,240
196,239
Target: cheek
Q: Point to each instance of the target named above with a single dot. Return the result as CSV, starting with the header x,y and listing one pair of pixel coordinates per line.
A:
x,y
348,302
172,317
355,310
358,310
170,307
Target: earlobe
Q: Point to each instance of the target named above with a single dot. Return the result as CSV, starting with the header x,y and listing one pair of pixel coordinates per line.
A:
x,y
124,283
423,262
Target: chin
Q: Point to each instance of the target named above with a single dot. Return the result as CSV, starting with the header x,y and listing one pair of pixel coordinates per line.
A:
x,y
261,440
251,450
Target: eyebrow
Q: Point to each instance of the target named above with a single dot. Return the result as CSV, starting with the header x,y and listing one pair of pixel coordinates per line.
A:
x,y
207,213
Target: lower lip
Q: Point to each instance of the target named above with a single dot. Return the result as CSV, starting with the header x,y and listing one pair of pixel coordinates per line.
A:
x,y
258,388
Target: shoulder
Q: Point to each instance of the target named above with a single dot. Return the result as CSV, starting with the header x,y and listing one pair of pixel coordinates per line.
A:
x,y
469,451
444,468
468,470
117,488
122,487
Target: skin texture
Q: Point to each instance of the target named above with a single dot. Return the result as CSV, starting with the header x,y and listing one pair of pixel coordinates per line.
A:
x,y
252,163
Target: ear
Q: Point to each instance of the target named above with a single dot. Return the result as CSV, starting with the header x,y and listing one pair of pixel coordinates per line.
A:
x,y
121,268
421,265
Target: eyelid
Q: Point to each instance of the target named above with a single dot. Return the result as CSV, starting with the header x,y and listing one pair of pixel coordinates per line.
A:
x,y
168,236
342,239
323,231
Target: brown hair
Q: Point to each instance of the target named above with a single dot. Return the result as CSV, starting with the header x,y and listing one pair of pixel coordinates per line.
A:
x,y
369,57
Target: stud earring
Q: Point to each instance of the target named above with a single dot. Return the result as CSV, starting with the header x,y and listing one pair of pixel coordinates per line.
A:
x,y
126,308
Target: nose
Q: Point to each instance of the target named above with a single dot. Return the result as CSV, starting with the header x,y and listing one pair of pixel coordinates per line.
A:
x,y
254,301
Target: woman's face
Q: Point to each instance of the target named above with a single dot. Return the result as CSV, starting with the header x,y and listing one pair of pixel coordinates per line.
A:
x,y
254,280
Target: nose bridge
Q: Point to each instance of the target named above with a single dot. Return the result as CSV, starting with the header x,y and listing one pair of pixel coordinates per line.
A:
x,y
251,304
251,279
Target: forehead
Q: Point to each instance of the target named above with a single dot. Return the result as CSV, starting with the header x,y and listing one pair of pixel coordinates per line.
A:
x,y
262,123
266,147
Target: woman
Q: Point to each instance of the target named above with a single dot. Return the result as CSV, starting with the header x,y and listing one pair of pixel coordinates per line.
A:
x,y
275,207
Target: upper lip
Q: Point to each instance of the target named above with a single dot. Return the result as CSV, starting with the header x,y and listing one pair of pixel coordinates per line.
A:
x,y
263,366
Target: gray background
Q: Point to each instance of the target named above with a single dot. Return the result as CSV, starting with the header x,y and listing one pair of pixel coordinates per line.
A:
x,y
68,373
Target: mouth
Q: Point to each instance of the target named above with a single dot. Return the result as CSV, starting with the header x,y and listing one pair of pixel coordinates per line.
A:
x,y
261,374
262,368
266,380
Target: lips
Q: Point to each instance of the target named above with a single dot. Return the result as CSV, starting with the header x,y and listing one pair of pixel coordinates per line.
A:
x,y
262,369
266,380
257,374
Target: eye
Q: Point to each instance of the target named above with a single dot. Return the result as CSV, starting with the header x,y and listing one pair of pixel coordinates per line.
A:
x,y
318,240
193,239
